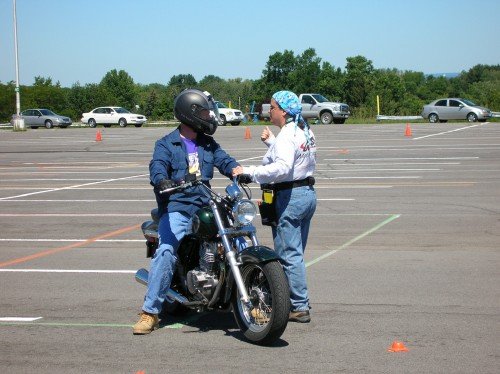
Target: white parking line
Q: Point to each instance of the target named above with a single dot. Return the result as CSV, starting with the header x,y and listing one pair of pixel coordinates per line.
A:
x,y
74,240
67,271
73,215
446,132
77,201
71,187
19,319
405,158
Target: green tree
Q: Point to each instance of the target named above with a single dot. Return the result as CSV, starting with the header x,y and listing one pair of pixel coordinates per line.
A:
x,y
358,80
7,101
390,87
183,81
276,75
119,88
82,99
306,73
331,82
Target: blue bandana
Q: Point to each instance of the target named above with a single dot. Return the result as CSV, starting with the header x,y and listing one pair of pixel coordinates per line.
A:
x,y
290,103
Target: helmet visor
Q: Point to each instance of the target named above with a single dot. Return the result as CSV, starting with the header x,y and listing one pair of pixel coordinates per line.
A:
x,y
214,109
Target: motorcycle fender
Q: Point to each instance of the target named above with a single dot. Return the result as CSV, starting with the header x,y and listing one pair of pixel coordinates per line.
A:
x,y
254,255
258,254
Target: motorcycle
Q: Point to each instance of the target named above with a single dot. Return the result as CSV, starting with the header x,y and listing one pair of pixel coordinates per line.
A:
x,y
222,266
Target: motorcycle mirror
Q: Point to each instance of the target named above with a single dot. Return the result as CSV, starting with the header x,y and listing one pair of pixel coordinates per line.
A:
x,y
233,190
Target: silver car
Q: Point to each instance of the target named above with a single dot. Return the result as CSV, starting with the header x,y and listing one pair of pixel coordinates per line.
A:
x,y
35,118
443,110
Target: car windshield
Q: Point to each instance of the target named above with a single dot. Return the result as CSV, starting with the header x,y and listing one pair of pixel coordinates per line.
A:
x,y
47,112
468,102
320,98
121,110
220,105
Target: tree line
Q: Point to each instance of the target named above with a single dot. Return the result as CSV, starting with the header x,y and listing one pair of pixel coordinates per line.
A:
x,y
358,84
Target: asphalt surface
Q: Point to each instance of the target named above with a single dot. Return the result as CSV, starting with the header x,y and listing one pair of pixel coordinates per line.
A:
x,y
404,247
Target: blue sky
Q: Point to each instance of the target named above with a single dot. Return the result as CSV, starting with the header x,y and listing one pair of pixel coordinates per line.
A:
x,y
152,40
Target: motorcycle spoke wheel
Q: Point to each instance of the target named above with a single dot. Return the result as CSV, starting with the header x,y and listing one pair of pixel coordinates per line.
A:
x,y
265,319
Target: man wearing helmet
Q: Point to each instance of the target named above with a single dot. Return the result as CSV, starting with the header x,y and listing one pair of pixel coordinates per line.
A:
x,y
187,150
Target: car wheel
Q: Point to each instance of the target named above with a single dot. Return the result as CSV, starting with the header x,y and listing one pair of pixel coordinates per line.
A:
x,y
122,122
138,125
235,123
49,124
222,120
433,118
472,117
92,122
326,118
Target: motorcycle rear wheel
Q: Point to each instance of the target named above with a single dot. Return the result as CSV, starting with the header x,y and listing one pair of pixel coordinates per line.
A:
x,y
269,293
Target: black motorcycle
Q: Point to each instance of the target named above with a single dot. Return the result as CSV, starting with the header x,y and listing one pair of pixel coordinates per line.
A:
x,y
221,266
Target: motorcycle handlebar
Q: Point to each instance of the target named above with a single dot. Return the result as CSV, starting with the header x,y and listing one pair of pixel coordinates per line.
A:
x,y
181,186
193,181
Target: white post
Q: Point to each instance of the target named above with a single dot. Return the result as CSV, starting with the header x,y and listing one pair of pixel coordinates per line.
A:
x,y
18,121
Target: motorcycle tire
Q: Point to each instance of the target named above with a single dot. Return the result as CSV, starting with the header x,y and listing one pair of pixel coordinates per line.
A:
x,y
269,293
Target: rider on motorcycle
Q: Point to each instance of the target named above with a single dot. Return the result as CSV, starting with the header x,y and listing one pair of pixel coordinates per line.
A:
x,y
185,151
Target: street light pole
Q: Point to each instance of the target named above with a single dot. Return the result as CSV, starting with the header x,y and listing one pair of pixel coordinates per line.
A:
x,y
18,121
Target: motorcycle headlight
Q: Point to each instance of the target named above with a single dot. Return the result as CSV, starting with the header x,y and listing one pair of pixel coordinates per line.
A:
x,y
244,211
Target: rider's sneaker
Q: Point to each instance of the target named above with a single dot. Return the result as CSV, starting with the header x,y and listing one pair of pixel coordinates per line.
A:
x,y
146,324
259,316
301,316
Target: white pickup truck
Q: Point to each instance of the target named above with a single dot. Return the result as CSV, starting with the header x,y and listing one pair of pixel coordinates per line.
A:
x,y
317,106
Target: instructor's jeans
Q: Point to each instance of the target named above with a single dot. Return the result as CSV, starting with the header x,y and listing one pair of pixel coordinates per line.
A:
x,y
295,208
172,228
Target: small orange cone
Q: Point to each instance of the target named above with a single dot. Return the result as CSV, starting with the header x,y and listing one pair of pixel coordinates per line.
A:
x,y
397,347
408,130
248,135
98,136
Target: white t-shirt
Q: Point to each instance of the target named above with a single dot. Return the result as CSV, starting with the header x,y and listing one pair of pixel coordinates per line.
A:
x,y
287,158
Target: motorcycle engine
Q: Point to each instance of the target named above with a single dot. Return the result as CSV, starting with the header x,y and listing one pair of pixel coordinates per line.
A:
x,y
204,279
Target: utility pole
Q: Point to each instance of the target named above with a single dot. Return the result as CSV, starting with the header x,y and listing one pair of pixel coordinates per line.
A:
x,y
18,121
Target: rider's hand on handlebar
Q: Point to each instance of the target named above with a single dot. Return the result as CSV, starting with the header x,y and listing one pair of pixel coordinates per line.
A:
x,y
165,184
245,178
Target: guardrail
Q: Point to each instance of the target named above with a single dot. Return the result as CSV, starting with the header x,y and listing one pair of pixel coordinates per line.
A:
x,y
495,114
398,118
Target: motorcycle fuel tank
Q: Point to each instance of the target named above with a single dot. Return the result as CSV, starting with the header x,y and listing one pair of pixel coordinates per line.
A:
x,y
204,223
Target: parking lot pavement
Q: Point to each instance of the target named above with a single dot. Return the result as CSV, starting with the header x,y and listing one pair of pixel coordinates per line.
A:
x,y
404,246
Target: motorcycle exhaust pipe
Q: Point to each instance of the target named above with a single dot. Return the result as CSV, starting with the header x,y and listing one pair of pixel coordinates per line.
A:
x,y
141,276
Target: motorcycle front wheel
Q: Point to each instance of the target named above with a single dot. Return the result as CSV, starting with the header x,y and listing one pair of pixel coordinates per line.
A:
x,y
266,318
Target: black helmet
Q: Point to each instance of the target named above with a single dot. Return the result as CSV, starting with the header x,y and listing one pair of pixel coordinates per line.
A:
x,y
197,110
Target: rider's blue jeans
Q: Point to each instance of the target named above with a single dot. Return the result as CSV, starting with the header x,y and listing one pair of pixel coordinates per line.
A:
x,y
295,208
172,228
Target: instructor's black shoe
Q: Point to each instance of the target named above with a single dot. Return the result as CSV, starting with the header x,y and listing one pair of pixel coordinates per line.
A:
x,y
301,316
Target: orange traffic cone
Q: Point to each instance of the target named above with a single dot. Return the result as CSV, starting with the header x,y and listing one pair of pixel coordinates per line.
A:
x,y
248,135
408,130
98,136
397,347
